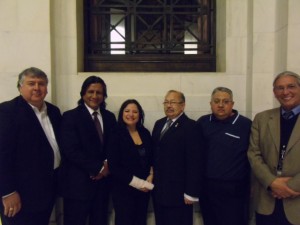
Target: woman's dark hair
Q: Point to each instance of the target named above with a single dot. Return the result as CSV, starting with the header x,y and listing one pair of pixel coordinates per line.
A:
x,y
85,85
140,123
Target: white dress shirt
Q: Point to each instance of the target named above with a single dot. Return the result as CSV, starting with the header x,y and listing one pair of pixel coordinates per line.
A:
x,y
49,132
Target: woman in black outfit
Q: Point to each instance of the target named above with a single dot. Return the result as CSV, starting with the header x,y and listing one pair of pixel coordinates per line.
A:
x,y
129,161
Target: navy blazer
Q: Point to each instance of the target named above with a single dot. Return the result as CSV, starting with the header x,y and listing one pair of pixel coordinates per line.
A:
x,y
82,151
176,161
26,156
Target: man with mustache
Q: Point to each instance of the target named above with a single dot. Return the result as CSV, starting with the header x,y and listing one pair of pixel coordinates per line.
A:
x,y
176,163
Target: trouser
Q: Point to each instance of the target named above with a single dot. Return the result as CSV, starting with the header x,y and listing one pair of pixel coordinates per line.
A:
x,y
225,202
131,208
173,215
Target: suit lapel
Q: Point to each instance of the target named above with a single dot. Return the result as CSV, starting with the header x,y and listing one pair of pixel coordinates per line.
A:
x,y
29,114
295,137
87,120
55,121
89,125
274,127
174,126
158,129
105,122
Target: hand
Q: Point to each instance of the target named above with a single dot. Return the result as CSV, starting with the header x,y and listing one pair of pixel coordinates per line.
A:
x,y
103,173
99,176
281,190
188,202
144,190
12,204
150,178
105,170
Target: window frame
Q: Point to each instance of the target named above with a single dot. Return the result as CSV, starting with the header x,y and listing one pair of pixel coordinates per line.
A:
x,y
150,62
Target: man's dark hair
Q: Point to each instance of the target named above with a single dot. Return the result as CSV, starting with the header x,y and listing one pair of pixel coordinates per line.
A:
x,y
85,85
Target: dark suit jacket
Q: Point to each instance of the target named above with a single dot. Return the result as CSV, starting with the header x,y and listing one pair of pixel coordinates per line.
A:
x,y
83,152
176,161
124,160
263,155
26,156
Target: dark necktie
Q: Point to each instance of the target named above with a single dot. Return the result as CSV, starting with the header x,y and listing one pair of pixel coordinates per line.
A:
x,y
288,115
168,125
98,126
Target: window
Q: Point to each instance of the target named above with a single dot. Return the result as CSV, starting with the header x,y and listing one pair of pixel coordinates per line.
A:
x,y
150,35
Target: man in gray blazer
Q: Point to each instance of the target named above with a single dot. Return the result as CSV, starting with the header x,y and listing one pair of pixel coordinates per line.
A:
x,y
274,154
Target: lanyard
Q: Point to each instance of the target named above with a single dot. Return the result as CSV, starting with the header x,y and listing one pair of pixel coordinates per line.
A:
x,y
280,160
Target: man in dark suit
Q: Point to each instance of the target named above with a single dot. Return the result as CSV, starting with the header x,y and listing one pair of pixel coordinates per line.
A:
x,y
274,154
176,163
29,153
85,185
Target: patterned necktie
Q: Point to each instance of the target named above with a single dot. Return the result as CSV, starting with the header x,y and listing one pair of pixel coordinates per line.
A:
x,y
288,115
168,125
98,126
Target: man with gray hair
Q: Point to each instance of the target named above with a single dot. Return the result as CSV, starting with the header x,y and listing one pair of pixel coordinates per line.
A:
x,y
225,191
176,163
274,154
29,153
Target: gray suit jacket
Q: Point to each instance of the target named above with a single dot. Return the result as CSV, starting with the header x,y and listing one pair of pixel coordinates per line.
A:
x,y
263,155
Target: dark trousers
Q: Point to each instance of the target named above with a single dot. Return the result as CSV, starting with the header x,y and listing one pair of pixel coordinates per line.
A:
x,y
28,218
95,210
224,203
130,207
276,218
173,215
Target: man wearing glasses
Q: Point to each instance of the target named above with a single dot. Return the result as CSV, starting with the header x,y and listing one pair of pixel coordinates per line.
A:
x,y
226,179
176,163
274,154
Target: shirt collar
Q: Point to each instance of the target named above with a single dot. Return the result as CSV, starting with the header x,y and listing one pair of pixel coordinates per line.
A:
x,y
295,110
36,110
231,119
174,119
92,110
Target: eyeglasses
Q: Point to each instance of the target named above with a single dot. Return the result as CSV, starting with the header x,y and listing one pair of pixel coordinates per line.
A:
x,y
289,87
171,103
223,102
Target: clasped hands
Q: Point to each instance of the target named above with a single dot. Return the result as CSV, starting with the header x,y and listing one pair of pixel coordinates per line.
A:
x,y
150,180
280,189
103,173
